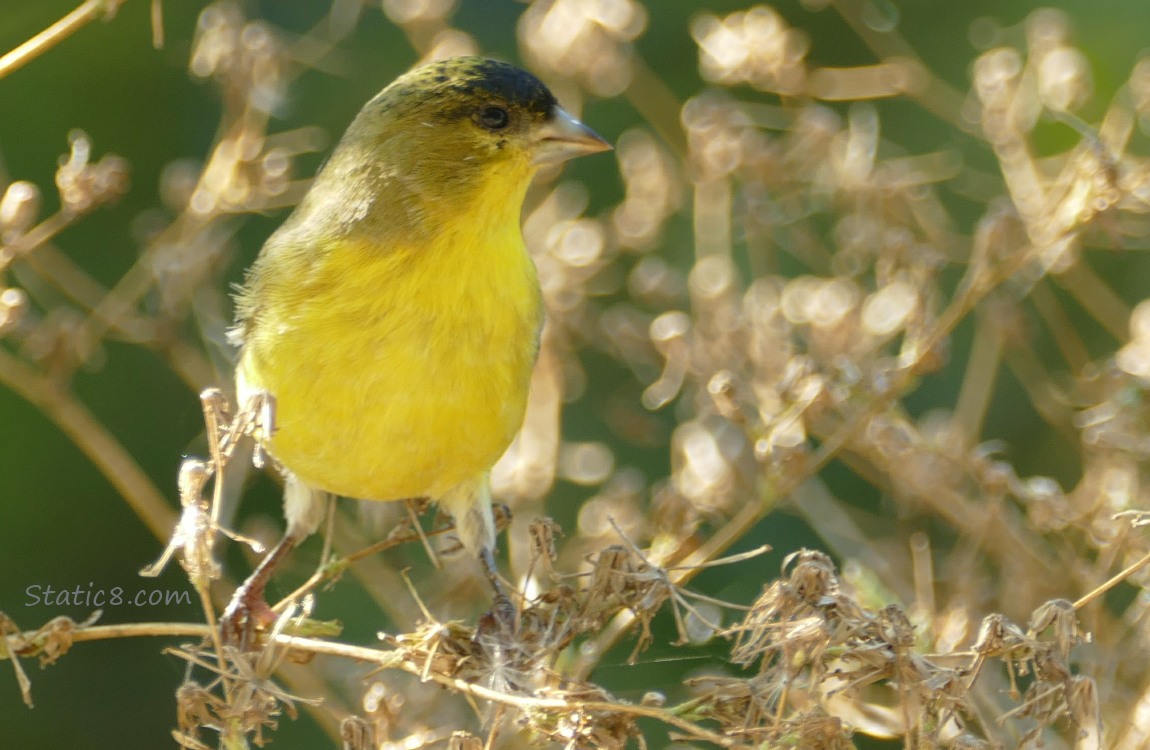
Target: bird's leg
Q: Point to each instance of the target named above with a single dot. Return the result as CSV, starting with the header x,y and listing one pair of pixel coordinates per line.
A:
x,y
497,631
470,505
487,558
502,615
248,611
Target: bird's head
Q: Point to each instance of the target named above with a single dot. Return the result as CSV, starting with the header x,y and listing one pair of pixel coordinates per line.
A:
x,y
477,109
441,138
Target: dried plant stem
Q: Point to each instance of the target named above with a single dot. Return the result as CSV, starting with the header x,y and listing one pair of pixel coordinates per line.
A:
x,y
107,453
132,630
1098,298
395,660
121,300
332,568
58,270
38,235
1065,337
937,96
658,104
297,677
213,627
971,290
1114,581
978,382
84,14
399,660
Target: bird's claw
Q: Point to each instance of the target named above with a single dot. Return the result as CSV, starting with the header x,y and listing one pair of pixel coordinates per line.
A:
x,y
246,618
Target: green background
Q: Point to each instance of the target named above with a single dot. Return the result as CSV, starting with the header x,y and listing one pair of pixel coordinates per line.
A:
x,y
63,525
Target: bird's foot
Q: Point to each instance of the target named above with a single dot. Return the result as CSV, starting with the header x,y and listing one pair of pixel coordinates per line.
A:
x,y
247,617
498,622
497,636
248,614
498,627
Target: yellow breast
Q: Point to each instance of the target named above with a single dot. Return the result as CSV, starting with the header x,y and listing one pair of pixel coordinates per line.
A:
x,y
400,372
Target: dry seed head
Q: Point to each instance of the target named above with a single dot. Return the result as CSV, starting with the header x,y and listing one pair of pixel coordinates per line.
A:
x,y
461,740
813,575
702,471
1139,84
1084,707
996,76
805,303
246,58
542,533
588,40
653,190
997,636
854,151
178,183
755,46
1061,617
894,438
404,12
1046,29
451,43
886,311
1041,490
896,627
786,438
357,733
19,209
13,306
997,477
214,47
806,143
1118,486
715,126
587,464
194,475
723,388
1064,79
819,730
609,574
84,185
195,707
1134,357
655,282
578,244
616,507
833,301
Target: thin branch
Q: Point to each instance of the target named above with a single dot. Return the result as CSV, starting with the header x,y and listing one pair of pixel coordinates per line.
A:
x,y
1114,581
59,31
401,660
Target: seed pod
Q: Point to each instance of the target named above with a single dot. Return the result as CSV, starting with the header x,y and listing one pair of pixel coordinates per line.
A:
x,y
19,208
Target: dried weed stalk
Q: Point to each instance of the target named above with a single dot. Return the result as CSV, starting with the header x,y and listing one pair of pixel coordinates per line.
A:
x,y
775,281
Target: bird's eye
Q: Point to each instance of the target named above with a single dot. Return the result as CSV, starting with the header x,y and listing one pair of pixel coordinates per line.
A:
x,y
494,118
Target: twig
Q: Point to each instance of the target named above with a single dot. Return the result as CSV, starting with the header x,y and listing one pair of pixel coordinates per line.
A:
x,y
87,12
400,660
1114,581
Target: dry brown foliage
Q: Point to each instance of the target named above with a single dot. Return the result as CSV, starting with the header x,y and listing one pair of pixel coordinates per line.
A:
x,y
960,626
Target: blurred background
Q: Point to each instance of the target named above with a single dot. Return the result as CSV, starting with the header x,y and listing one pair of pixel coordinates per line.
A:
x,y
866,268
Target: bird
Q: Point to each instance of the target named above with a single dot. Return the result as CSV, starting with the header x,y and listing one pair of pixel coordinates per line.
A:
x,y
393,320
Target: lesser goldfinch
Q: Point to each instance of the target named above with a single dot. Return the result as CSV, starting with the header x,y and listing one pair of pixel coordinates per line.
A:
x,y
394,317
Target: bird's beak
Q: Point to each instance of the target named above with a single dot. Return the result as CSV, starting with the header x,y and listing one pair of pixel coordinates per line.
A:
x,y
563,137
